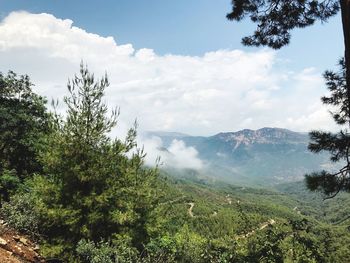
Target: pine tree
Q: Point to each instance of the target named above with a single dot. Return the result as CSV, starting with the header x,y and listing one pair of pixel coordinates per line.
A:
x,y
275,20
94,187
338,144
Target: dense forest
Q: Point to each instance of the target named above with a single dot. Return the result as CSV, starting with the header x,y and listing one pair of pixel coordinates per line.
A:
x,y
87,197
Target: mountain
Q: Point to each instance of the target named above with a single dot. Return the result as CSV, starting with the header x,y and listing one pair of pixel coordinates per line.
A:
x,y
253,157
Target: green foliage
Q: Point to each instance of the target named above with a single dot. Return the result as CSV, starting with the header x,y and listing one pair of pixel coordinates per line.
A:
x,y
101,252
336,84
23,124
92,199
311,204
275,19
266,247
161,249
338,145
243,232
222,250
189,245
22,214
94,187
9,182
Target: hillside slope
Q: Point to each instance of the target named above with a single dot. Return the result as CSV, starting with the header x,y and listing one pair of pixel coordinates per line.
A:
x,y
242,217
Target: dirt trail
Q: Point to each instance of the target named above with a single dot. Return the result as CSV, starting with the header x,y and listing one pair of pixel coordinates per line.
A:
x,y
228,199
190,213
270,222
263,226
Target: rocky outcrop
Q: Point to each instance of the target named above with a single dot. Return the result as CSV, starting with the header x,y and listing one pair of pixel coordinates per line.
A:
x,y
17,248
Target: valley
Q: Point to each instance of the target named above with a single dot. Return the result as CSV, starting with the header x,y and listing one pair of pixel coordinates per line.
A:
x,y
220,213
259,158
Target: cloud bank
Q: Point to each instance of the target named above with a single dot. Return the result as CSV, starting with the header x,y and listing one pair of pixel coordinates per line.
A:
x,y
223,90
177,155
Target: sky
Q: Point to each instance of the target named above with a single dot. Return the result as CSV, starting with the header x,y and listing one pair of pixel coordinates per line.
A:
x,y
173,65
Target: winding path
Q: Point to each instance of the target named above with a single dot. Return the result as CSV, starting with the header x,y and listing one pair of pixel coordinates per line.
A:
x,y
190,209
263,226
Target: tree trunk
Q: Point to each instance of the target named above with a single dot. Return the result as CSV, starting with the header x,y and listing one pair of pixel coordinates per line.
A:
x,y
345,14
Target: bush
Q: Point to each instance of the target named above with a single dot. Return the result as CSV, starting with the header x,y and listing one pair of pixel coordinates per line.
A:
x,y
102,252
105,252
162,249
9,182
21,213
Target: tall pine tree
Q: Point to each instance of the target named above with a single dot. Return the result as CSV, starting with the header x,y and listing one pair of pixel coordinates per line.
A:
x,y
94,187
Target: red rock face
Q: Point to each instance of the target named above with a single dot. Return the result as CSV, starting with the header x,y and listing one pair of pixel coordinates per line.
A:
x,y
17,248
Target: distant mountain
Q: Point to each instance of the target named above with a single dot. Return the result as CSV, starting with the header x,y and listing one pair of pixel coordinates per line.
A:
x,y
262,136
266,156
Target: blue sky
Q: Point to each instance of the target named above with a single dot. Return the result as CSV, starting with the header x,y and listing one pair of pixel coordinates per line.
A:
x,y
174,65
186,27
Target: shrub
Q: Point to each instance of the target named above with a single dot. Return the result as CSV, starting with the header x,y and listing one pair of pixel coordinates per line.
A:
x,y
9,182
20,213
105,252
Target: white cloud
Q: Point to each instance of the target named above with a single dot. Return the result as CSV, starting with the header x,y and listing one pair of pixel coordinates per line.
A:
x,y
184,156
224,90
177,155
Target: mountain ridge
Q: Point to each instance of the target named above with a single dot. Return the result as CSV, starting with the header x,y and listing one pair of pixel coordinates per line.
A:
x,y
264,130
263,135
250,157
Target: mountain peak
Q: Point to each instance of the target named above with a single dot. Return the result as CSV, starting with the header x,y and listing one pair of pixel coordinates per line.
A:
x,y
263,135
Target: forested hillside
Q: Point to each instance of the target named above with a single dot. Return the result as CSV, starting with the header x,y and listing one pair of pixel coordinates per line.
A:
x,y
254,225
87,197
